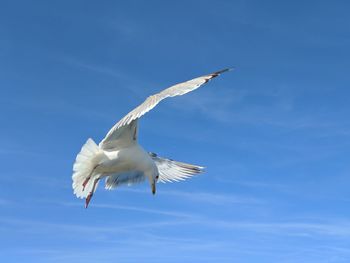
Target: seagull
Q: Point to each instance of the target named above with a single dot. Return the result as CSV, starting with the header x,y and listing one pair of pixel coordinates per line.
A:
x,y
121,160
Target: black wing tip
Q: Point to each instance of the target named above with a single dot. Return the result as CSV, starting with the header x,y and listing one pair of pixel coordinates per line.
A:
x,y
217,73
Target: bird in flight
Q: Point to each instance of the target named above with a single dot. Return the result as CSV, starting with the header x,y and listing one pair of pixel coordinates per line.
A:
x,y
121,160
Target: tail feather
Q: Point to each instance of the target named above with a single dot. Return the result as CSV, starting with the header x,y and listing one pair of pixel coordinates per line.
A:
x,y
83,168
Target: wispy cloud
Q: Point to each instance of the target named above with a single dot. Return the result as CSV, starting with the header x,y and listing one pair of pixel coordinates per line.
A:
x,y
123,239
256,184
92,67
5,202
338,228
19,152
56,106
275,107
204,197
139,209
134,85
145,248
212,198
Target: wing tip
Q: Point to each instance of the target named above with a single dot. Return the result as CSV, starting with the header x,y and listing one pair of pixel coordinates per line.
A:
x,y
217,73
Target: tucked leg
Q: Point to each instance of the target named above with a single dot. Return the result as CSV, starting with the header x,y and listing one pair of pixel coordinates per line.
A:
x,y
89,177
85,182
88,198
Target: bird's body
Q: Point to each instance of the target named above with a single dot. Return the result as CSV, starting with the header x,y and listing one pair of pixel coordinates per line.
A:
x,y
133,158
121,160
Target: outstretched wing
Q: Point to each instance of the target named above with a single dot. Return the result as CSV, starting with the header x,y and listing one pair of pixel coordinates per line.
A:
x,y
121,138
152,101
173,171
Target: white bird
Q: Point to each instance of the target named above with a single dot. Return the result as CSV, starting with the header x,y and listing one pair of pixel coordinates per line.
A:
x,y
121,160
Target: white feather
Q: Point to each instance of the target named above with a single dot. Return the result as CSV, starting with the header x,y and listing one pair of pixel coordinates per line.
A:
x,y
173,171
152,101
89,156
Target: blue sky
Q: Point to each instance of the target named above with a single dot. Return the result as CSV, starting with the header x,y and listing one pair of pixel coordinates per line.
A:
x,y
273,134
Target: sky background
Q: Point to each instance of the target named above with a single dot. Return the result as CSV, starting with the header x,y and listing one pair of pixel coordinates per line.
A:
x,y
273,134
